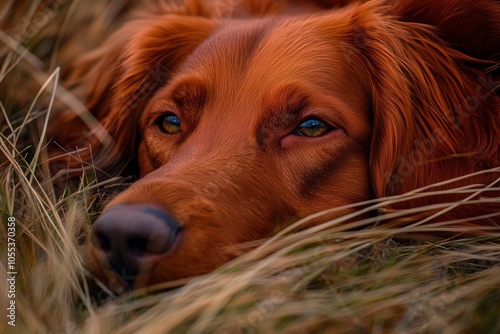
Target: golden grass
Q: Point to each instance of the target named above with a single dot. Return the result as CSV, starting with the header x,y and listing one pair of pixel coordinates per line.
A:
x,y
337,277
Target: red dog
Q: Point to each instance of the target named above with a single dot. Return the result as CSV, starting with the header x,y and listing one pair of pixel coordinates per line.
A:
x,y
242,119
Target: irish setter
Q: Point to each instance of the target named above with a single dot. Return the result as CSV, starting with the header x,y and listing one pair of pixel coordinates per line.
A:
x,y
239,119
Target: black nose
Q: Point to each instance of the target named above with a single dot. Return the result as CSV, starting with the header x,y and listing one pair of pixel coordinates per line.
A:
x,y
129,238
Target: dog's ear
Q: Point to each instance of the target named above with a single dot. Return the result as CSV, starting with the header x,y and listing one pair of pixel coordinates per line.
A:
x,y
116,82
436,114
471,26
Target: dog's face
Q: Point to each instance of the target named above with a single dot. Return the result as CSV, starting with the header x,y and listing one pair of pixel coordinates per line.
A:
x,y
243,126
249,134
244,116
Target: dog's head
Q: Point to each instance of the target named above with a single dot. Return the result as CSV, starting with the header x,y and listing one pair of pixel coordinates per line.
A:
x,y
240,126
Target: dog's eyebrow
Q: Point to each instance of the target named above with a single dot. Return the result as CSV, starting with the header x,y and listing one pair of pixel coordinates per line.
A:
x,y
189,95
285,105
282,108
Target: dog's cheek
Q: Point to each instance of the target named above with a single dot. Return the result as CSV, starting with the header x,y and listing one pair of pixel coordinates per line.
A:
x,y
145,164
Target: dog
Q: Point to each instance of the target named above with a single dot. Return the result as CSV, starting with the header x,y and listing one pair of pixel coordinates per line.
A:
x,y
241,118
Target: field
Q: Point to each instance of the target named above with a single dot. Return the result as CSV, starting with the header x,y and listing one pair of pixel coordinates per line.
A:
x,y
363,276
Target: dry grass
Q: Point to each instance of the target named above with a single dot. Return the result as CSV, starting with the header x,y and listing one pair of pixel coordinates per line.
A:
x,y
336,277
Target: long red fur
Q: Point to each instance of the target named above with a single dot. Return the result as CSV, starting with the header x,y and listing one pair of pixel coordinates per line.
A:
x,y
429,111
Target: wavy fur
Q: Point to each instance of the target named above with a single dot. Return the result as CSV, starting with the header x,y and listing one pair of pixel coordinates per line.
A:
x,y
410,88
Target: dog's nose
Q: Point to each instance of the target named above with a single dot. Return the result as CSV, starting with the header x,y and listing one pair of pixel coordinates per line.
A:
x,y
130,238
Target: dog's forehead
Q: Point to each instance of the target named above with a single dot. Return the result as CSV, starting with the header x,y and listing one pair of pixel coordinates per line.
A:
x,y
259,51
256,65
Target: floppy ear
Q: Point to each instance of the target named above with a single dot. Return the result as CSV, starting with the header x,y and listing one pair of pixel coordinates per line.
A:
x,y
436,115
117,81
471,26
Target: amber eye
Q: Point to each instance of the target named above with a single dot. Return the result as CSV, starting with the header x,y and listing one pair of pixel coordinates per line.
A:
x,y
170,124
312,128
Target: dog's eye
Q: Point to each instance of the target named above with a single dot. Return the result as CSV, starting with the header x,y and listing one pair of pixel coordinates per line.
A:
x,y
312,128
170,124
